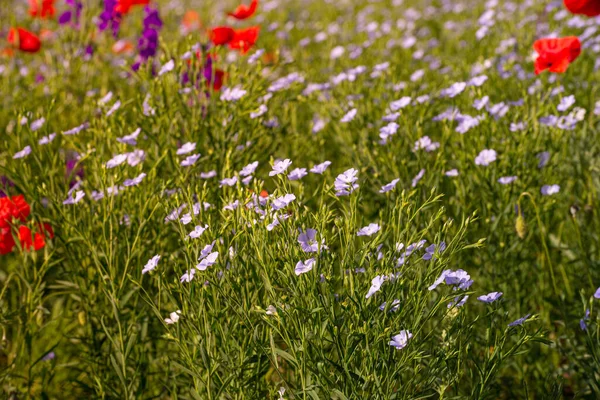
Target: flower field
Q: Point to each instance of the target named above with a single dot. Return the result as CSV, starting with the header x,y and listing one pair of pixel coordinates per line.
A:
x,y
276,199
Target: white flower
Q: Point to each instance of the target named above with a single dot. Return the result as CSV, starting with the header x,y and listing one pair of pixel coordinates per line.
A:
x,y
173,317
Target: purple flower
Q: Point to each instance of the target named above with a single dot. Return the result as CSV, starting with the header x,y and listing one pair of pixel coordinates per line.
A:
x,y
5,183
582,321
368,230
478,80
485,157
519,321
297,174
400,340
345,183
505,180
426,144
320,168
74,172
430,251
389,187
73,14
452,173
282,201
186,148
478,104
458,301
80,194
548,190
23,153
375,285
454,90
151,264
308,241
207,260
303,267
249,169
490,297
418,177
566,103
228,181
190,160
349,116
543,158
399,104
47,139
135,181
393,308
280,167
130,139
110,18
148,41
597,294
233,94
459,278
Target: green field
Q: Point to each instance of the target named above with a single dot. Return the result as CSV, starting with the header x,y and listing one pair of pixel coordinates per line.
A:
x,y
319,213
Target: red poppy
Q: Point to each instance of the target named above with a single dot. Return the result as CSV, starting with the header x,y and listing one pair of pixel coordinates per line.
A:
x,y
13,208
38,241
591,8
221,35
243,11
7,242
123,6
555,54
244,39
46,10
24,40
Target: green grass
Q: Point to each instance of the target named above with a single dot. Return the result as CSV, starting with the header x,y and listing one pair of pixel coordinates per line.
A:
x,y
83,297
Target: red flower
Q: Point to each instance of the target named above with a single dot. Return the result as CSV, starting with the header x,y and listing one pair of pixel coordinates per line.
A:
x,y
46,11
243,11
13,207
244,39
221,35
217,80
27,41
39,238
556,54
591,8
123,6
7,242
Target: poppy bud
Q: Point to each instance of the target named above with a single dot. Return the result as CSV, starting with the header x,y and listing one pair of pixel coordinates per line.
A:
x,y
520,226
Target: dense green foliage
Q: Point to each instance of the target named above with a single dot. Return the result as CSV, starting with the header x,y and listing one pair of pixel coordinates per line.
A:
x,y
78,319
